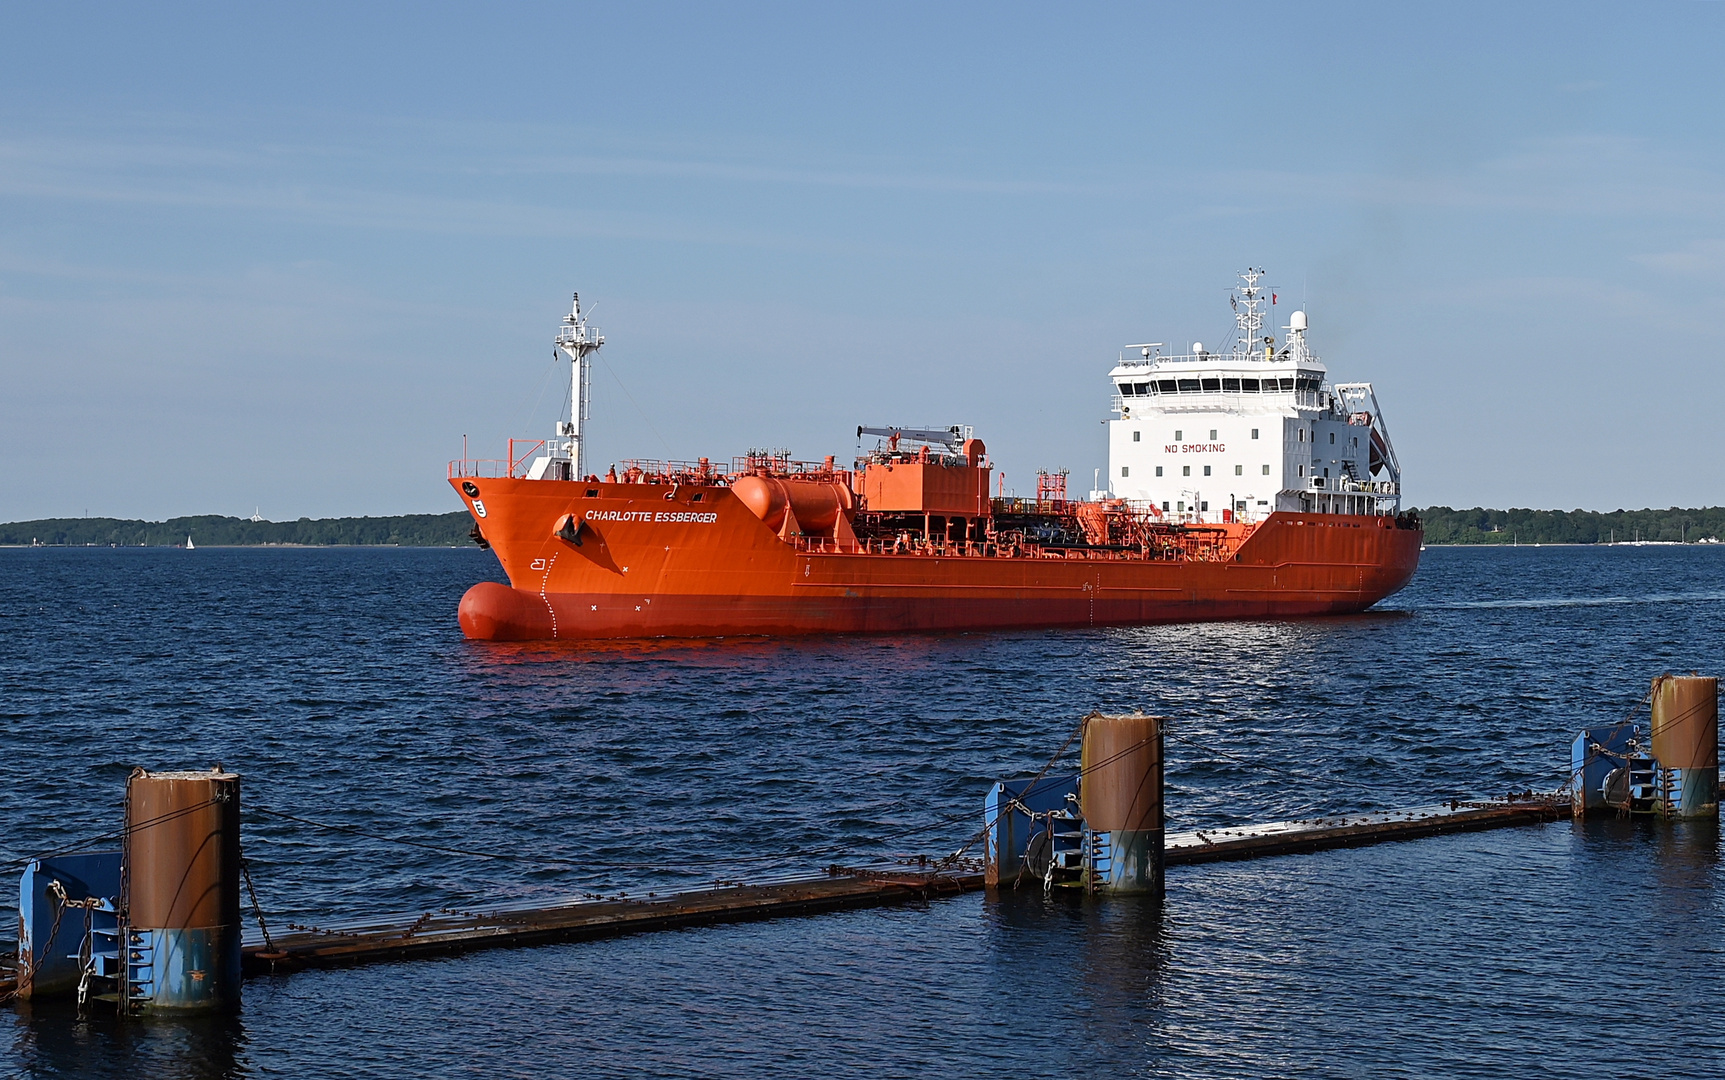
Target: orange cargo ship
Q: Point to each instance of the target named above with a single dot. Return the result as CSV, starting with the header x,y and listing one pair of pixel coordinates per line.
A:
x,y
911,539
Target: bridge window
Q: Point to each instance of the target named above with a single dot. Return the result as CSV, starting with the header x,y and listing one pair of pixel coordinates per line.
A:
x,y
1212,386
1283,384
1231,386
1188,386
1249,386
1142,388
1167,386
1126,389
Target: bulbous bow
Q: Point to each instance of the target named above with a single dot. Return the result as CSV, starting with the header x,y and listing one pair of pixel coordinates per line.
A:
x,y
494,612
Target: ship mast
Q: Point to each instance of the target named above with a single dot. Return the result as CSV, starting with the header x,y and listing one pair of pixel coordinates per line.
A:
x,y
576,340
1248,319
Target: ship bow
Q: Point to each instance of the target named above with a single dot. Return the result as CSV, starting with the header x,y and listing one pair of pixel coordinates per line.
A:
x,y
494,612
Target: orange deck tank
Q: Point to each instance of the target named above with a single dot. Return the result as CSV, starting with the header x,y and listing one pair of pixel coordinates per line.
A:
x,y
930,484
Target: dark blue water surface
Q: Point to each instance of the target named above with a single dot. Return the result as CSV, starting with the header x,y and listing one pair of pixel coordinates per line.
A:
x,y
338,684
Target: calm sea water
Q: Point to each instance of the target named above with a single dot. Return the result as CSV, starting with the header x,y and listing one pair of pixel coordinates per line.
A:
x,y
338,684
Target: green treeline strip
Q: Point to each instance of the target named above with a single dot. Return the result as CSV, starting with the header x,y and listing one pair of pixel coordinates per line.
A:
x,y
1443,526
1478,526
408,530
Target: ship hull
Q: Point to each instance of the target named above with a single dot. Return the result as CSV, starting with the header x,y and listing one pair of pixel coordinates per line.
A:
x,y
656,561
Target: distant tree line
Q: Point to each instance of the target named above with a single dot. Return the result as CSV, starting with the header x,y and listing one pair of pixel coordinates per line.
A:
x,y
1443,526
1480,526
407,530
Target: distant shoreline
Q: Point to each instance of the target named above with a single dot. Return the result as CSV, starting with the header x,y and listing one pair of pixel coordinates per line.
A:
x,y
1444,527
1585,528
1579,544
223,547
403,530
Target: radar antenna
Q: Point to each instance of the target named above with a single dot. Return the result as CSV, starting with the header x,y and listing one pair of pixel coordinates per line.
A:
x,y
576,340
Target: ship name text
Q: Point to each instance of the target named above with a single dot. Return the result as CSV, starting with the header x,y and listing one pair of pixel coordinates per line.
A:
x,y
691,517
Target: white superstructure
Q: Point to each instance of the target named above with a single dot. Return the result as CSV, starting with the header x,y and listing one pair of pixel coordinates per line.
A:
x,y
1205,436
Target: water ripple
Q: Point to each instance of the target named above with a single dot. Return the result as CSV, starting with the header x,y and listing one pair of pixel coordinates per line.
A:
x,y
337,683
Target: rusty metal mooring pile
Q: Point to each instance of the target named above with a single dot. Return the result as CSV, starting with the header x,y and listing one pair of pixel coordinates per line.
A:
x,y
156,926
1668,768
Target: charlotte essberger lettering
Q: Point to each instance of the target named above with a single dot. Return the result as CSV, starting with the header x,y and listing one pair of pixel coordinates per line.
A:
x,y
686,515
690,517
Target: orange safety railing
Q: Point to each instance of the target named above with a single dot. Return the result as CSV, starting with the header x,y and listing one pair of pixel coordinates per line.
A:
x,y
655,471
779,463
515,466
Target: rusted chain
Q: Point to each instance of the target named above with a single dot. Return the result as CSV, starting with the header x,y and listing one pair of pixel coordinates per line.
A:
x,y
58,892
257,909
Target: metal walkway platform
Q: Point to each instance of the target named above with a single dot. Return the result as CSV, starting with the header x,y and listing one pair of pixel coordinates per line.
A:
x,y
436,933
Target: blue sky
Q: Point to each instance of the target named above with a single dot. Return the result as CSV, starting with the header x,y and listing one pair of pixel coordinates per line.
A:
x,y
288,258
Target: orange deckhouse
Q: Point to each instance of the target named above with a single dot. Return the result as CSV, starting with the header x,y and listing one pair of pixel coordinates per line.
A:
x,y
907,539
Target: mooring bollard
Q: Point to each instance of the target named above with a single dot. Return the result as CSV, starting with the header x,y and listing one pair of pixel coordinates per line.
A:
x,y
1685,737
1121,794
182,891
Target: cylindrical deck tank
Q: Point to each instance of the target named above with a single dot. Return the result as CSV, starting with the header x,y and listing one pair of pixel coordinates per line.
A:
x,y
182,890
818,505
1685,736
1121,794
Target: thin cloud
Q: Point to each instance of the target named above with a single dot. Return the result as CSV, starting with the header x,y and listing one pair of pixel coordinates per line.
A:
x,y
1582,176
1699,257
130,173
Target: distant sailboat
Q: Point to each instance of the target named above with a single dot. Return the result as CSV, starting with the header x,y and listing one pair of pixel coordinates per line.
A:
x,y
189,544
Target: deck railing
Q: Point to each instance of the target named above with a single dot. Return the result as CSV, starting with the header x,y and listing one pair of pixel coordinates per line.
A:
x,y
1347,484
515,466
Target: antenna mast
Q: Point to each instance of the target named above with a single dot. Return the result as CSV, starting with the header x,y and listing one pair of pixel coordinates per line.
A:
x,y
1248,320
576,340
